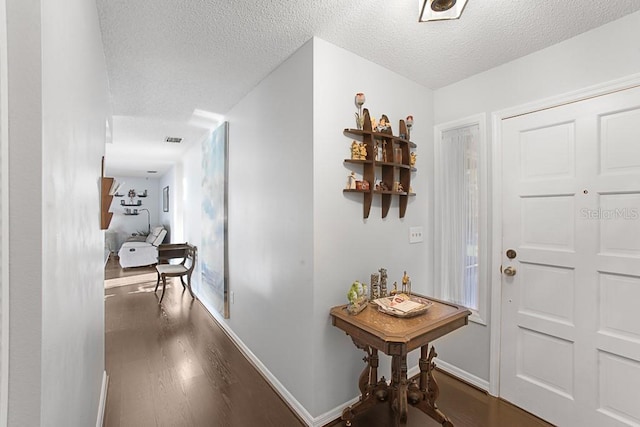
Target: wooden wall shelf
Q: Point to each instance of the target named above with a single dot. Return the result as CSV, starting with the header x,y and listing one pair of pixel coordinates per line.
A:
x,y
105,202
389,172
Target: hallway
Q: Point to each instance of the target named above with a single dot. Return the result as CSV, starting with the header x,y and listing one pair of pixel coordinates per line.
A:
x,y
172,365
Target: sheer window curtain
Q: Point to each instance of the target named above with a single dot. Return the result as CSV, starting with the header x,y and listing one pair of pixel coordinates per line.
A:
x,y
457,213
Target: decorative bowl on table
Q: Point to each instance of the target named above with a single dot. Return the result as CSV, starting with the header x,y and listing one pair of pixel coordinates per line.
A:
x,y
402,305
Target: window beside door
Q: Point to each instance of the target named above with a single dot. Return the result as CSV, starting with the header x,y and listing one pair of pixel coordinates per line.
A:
x,y
461,255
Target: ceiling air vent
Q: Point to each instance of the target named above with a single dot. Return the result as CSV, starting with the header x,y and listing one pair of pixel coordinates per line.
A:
x,y
173,139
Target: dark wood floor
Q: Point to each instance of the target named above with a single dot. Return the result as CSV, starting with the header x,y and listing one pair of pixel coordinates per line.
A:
x,y
112,269
172,365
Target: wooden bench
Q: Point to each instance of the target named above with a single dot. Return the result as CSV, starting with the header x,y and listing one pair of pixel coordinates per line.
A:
x,y
185,268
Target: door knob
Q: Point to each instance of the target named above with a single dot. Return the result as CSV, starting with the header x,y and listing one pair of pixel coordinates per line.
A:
x,y
509,271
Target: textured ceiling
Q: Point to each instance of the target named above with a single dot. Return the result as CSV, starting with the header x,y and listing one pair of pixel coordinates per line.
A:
x,y
167,58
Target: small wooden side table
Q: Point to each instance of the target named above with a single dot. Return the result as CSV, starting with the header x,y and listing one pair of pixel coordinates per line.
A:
x,y
167,251
373,331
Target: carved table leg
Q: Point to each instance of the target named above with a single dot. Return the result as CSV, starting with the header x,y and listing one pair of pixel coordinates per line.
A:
x,y
399,386
372,391
425,397
369,376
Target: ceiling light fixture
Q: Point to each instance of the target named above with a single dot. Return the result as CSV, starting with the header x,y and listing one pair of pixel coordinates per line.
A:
x,y
439,10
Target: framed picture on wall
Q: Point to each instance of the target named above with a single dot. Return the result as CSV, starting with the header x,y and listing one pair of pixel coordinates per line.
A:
x,y
213,289
165,199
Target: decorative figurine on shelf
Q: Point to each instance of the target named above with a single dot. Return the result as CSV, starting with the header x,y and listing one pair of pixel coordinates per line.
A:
x,y
384,150
351,181
132,194
382,186
375,287
406,284
355,151
365,185
397,187
357,297
394,290
412,159
358,151
363,151
409,123
374,123
384,126
359,100
383,282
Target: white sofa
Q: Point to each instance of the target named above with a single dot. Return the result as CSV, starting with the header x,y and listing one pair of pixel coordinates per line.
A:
x,y
134,253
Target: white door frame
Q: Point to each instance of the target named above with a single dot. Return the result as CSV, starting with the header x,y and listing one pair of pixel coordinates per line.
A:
x,y
496,202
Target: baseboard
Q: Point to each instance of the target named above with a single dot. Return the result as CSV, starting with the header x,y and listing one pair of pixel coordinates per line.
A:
x,y
333,414
461,374
102,404
291,401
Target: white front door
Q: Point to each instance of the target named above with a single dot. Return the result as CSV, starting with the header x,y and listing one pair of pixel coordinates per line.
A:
x,y
570,341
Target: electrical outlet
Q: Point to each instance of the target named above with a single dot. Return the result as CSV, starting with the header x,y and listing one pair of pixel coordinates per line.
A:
x,y
415,234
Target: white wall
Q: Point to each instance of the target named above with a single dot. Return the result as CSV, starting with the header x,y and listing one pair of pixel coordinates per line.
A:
x,y
75,106
25,213
4,223
125,225
185,203
295,241
188,196
58,105
271,222
606,53
169,219
346,246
